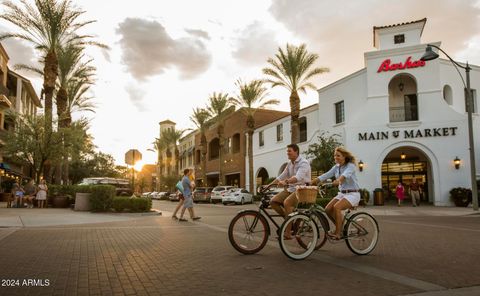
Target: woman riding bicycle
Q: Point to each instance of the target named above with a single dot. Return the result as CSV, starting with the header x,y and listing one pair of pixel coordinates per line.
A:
x,y
349,190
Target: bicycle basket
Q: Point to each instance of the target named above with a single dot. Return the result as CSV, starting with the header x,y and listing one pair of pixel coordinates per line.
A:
x,y
307,194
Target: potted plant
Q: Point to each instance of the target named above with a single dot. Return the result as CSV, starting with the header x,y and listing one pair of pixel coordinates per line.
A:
x,y
461,197
364,196
59,199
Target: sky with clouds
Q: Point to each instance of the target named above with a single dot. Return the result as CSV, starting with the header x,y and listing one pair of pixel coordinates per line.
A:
x,y
166,57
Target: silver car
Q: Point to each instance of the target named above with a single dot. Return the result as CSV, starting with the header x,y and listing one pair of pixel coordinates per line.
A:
x,y
218,193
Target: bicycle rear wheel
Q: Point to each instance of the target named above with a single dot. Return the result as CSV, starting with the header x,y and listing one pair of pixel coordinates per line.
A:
x,y
361,232
248,232
322,233
302,228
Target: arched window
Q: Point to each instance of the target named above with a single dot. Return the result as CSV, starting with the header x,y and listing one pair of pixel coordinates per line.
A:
x,y
447,94
214,149
402,101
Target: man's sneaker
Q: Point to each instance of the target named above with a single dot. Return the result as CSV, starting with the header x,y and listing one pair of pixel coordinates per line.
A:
x,y
174,217
182,220
196,218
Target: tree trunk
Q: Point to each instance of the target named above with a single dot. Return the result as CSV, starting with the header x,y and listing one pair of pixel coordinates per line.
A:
x,y
250,162
295,114
177,161
50,73
220,155
62,124
203,142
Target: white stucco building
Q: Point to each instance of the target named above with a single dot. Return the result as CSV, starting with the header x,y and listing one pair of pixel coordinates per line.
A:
x,y
400,116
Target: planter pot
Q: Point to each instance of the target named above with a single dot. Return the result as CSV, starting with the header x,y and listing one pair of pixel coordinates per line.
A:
x,y
459,202
82,202
60,201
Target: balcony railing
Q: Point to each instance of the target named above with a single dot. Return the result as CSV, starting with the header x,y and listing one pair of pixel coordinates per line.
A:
x,y
399,114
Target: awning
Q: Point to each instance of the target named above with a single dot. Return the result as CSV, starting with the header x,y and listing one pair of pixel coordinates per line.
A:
x,y
4,165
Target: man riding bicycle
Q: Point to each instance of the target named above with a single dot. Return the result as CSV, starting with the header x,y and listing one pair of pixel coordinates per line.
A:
x,y
297,172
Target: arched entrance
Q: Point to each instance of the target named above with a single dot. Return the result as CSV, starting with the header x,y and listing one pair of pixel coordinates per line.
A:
x,y
402,98
403,164
262,176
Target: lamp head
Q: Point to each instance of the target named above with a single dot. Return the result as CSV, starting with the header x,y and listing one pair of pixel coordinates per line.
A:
x,y
429,54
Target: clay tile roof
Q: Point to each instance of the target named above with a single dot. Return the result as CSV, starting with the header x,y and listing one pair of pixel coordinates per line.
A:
x,y
375,28
401,24
167,121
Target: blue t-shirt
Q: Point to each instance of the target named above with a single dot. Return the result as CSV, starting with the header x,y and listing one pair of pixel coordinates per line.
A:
x,y
187,191
348,171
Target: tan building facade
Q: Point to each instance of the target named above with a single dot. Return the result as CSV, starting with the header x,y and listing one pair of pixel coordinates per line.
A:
x,y
235,149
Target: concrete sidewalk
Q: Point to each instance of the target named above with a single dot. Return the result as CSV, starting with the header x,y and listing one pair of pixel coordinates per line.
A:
x,y
24,217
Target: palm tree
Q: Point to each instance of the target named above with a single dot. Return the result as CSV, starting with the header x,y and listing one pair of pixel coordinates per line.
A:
x,y
172,137
250,98
47,25
292,69
160,145
72,71
219,106
201,119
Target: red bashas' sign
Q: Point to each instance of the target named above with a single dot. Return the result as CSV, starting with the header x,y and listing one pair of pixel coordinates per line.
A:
x,y
388,66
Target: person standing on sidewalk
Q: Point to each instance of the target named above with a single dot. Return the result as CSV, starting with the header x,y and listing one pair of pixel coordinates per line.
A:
x,y
187,195
42,194
415,192
400,193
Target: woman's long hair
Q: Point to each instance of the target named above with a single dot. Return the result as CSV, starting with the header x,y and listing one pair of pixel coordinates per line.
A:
x,y
347,154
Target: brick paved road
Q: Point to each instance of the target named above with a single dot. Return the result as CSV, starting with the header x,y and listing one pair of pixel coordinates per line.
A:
x,y
157,256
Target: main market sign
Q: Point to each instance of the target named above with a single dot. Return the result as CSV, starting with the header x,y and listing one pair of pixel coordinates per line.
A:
x,y
409,134
387,65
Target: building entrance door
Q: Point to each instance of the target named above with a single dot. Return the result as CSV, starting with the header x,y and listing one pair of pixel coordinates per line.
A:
x,y
394,172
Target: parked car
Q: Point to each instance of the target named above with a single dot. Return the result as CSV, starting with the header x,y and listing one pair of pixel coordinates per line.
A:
x,y
163,195
218,192
202,194
237,196
154,195
173,196
274,191
146,194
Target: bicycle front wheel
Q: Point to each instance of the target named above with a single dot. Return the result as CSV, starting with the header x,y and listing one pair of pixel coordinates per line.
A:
x,y
361,232
298,228
248,232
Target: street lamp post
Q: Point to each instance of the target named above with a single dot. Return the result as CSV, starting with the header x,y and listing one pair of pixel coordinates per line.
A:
x,y
431,55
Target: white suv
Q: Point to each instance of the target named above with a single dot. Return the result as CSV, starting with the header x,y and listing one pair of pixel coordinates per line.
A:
x,y
218,193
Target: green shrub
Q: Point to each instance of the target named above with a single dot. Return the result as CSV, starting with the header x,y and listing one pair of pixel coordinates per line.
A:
x,y
364,196
132,204
331,192
101,197
323,202
120,203
462,197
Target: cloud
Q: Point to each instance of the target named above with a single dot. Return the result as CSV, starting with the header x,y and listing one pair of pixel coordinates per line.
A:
x,y
255,44
20,53
198,33
136,95
341,31
147,50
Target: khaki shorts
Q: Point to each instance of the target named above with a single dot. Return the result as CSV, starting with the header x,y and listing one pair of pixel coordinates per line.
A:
x,y
281,197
